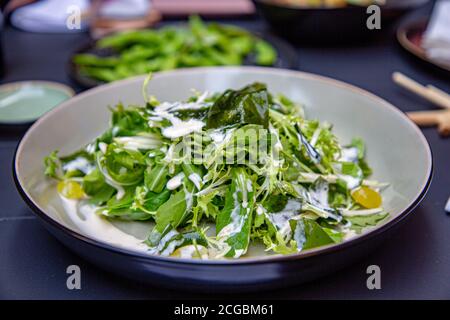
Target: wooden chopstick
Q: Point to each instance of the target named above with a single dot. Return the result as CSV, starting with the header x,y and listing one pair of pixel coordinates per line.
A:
x,y
438,91
439,118
431,93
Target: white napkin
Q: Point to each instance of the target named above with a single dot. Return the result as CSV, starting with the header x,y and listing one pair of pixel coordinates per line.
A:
x,y
436,39
48,16
125,9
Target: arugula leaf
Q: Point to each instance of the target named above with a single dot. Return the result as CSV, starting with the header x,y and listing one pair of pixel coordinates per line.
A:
x,y
366,170
171,214
194,174
361,222
125,166
359,145
233,223
128,121
276,202
153,200
94,185
309,234
336,236
53,166
123,208
351,169
175,240
156,178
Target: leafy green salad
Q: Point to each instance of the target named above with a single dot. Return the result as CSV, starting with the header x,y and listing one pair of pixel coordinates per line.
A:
x,y
222,172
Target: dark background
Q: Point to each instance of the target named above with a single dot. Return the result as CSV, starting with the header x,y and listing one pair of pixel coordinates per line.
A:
x,y
415,262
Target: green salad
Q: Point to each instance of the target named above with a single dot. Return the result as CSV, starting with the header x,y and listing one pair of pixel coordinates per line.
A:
x,y
195,45
220,172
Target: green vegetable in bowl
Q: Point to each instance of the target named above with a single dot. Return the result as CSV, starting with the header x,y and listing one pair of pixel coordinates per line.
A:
x,y
198,44
220,172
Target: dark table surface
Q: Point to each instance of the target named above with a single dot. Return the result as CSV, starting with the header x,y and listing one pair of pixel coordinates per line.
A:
x,y
415,263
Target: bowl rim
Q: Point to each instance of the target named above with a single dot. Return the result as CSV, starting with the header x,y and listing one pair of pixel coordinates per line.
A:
x,y
403,37
328,249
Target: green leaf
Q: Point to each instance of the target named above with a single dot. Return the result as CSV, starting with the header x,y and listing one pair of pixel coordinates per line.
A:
x,y
170,215
94,185
53,166
275,203
248,105
361,222
153,201
179,240
336,236
309,234
171,212
125,166
367,171
194,174
124,202
123,208
236,216
359,144
156,178
351,169
128,121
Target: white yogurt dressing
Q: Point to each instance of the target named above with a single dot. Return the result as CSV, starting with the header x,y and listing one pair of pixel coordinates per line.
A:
x,y
349,154
236,224
281,219
188,252
79,163
179,127
175,182
351,182
319,194
299,235
102,146
196,180
217,136
139,142
109,180
237,221
92,225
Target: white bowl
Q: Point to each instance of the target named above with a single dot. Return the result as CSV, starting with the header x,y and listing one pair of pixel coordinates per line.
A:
x,y
396,150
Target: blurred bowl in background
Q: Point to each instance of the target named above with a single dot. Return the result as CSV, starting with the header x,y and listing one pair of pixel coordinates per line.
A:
x,y
328,25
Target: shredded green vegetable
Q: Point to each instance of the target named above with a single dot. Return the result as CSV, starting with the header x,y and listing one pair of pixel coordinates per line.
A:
x,y
220,172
